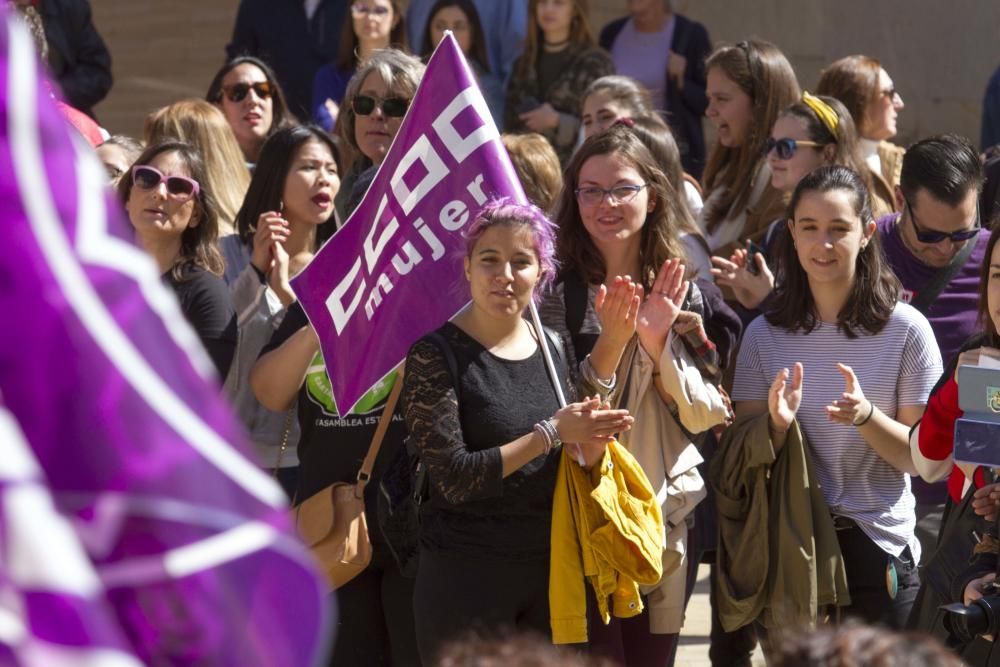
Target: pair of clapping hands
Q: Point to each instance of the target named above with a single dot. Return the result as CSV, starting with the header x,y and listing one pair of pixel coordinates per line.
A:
x,y
785,397
269,255
588,425
624,310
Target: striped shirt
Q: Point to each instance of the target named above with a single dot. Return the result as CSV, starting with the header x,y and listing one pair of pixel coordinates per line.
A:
x,y
896,367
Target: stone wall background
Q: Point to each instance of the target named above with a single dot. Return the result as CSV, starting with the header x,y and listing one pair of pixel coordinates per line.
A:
x,y
939,54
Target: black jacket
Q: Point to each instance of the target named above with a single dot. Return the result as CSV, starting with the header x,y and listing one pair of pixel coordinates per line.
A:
x,y
78,58
278,32
685,106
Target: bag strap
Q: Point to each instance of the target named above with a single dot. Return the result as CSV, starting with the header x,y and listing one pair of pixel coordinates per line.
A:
x,y
365,474
942,277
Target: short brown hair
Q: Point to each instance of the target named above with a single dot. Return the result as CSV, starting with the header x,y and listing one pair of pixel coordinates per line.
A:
x,y
761,71
400,72
537,166
854,81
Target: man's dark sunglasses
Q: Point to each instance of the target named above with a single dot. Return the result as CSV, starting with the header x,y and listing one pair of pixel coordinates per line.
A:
x,y
393,107
932,237
238,91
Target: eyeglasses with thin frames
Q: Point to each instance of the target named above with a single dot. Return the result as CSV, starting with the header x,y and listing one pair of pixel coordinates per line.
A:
x,y
619,194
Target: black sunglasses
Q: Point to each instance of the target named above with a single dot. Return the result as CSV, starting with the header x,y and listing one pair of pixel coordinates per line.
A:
x,y
238,91
786,147
393,107
932,237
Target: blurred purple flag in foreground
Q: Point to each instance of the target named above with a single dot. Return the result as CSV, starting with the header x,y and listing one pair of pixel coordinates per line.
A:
x,y
390,274
134,528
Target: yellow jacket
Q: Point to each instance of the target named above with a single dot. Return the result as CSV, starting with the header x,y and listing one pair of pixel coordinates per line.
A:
x,y
607,527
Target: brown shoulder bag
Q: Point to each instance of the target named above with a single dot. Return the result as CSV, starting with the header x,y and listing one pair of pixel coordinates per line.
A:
x,y
332,522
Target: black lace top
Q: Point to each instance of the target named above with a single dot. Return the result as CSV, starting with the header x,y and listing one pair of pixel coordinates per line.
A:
x,y
473,509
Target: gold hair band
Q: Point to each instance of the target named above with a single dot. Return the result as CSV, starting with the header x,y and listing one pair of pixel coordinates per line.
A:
x,y
823,110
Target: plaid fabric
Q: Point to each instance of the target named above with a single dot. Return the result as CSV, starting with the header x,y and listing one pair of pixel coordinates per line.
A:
x,y
691,330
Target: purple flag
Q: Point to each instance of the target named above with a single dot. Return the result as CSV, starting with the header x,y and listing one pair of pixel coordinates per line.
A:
x,y
394,271
134,527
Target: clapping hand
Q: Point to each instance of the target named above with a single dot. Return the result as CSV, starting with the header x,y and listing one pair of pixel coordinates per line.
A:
x,y
852,407
588,426
271,229
785,397
661,308
750,289
269,255
617,309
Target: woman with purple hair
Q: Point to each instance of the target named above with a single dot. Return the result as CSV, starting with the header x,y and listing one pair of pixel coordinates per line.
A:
x,y
484,417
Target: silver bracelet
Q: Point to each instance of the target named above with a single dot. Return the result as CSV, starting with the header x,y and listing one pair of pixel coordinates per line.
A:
x,y
546,438
590,376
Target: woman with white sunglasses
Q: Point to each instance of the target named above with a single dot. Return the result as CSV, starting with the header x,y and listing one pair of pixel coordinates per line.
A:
x,y
176,222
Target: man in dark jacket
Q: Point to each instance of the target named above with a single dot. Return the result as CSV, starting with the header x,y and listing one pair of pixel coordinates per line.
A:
x,y
78,58
294,37
666,53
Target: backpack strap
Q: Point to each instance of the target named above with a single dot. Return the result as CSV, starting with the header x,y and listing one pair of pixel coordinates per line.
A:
x,y
575,298
442,344
556,343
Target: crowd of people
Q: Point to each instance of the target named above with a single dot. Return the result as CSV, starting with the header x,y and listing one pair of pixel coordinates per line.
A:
x,y
771,323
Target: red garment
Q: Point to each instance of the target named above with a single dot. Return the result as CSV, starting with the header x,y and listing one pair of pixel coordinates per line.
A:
x,y
937,434
83,123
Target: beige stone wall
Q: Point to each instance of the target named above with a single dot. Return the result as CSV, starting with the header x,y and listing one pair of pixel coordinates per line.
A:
x,y
940,54
162,51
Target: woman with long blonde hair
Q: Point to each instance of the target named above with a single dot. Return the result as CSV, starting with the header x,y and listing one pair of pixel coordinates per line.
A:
x,y
202,125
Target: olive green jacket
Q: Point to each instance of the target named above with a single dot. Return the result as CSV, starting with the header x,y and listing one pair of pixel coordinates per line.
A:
x,y
779,560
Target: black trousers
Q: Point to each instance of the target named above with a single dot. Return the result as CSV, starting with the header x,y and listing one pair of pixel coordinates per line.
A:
x,y
456,595
866,565
375,617
728,649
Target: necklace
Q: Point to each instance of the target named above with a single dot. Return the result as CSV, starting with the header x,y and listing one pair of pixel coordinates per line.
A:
x,y
555,46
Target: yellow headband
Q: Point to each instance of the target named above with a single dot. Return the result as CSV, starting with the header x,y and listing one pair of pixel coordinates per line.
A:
x,y
823,110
